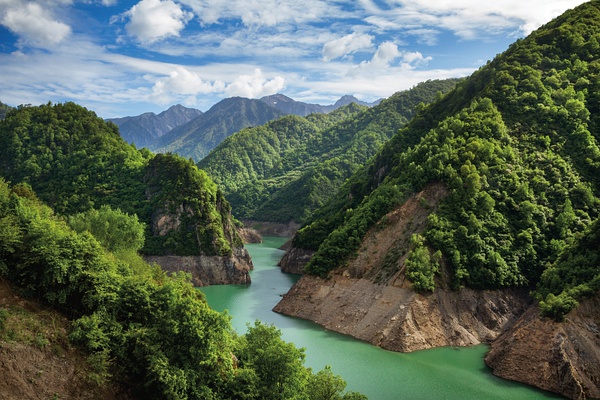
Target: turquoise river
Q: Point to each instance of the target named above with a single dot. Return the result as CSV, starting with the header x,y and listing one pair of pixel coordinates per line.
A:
x,y
444,373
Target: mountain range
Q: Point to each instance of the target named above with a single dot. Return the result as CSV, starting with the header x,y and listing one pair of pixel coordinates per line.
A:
x,y
192,133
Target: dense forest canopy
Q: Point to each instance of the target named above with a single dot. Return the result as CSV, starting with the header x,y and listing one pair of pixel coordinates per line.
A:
x,y
517,146
76,162
152,332
287,168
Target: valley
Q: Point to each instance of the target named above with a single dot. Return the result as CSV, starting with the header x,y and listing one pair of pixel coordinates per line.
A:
x,y
462,212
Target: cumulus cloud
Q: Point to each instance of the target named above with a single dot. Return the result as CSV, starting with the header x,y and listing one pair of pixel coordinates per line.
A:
x,y
383,61
256,85
152,20
413,59
32,23
183,83
346,45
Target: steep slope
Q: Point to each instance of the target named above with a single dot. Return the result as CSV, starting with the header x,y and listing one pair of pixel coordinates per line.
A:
x,y
133,325
36,358
144,129
75,162
289,167
515,147
203,133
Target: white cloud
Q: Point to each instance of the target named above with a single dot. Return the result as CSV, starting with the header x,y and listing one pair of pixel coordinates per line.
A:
x,y
413,59
263,12
468,19
182,82
152,20
34,24
253,86
346,45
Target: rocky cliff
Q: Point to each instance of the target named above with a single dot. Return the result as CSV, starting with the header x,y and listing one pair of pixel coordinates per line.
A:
x,y
563,357
399,319
294,260
209,270
371,299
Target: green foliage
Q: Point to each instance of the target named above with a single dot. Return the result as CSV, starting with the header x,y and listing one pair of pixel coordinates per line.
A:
x,y
139,325
286,169
198,216
573,277
420,267
77,163
516,145
116,230
278,365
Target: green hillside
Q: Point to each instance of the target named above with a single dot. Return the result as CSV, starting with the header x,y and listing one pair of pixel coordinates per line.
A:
x,y
287,168
516,144
75,162
149,332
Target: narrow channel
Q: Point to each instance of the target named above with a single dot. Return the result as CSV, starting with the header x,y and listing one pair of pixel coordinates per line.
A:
x,y
444,373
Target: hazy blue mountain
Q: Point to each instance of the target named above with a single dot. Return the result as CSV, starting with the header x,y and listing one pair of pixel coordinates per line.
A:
x,y
200,135
144,129
291,106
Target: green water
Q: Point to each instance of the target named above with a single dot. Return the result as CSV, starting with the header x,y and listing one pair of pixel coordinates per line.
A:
x,y
445,373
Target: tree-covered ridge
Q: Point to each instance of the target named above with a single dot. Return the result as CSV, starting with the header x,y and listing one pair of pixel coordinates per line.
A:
x,y
152,332
286,169
516,145
75,162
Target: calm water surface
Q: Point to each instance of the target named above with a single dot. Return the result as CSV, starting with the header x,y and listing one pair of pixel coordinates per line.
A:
x,y
444,373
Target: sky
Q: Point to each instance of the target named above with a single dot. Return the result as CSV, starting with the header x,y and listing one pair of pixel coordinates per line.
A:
x,y
127,57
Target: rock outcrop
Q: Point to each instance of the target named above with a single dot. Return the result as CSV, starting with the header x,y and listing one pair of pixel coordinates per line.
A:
x,y
371,299
249,235
398,318
209,270
294,260
560,357
266,228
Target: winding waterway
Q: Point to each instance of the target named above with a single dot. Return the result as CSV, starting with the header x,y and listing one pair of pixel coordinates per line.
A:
x,y
444,373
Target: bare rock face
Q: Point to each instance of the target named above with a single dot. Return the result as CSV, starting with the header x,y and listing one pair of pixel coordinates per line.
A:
x,y
209,270
399,319
273,228
294,260
249,235
560,357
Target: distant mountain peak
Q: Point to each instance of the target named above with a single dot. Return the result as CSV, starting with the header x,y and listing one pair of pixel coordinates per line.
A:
x,y
147,127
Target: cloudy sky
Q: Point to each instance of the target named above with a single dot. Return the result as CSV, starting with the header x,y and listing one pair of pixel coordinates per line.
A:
x,y
125,57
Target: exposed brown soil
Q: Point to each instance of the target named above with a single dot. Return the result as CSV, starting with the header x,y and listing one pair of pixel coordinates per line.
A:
x,y
560,357
37,362
370,299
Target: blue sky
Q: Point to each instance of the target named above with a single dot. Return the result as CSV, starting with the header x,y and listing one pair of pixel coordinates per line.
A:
x,y
121,58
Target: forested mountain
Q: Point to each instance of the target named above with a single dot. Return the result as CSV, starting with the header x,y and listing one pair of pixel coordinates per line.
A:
x,y
291,106
285,169
150,333
495,186
144,129
76,162
203,133
516,146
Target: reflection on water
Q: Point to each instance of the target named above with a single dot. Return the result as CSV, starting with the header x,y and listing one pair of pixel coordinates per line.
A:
x,y
444,373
